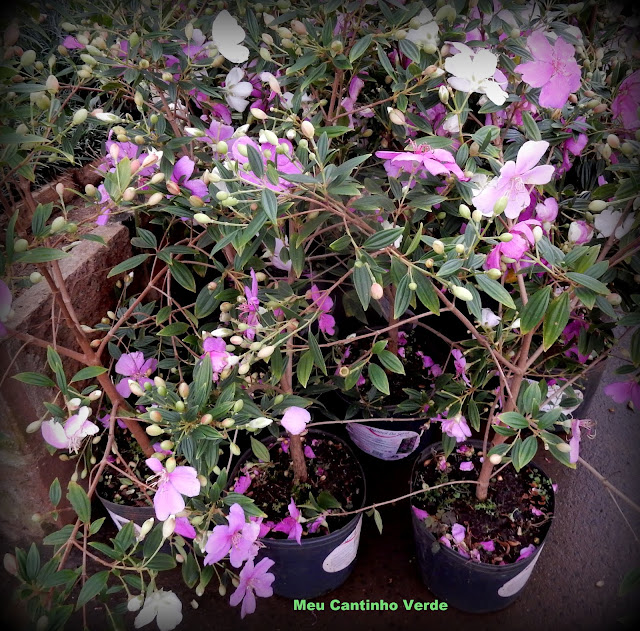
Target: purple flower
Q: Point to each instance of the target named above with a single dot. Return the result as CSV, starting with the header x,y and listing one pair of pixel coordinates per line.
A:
x,y
625,105
172,486
460,364
159,450
456,427
216,348
624,391
295,419
254,581
458,532
182,172
513,180
242,484
419,513
522,240
74,431
134,366
324,304
547,210
421,158
580,232
555,70
537,512
445,541
291,525
5,306
526,552
121,424
184,528
237,539
489,546
466,466
308,452
249,309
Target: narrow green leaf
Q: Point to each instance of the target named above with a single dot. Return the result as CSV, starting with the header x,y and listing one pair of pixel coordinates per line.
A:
x,y
427,294
129,264
175,328
41,255
377,519
94,585
403,297
80,501
514,419
183,275
255,160
534,310
55,492
362,282
523,452
260,450
317,353
303,370
589,282
391,362
378,378
494,289
530,128
270,205
360,47
34,379
382,239
88,373
555,320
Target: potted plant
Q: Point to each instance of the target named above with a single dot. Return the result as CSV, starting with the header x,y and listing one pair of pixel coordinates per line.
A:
x,y
285,171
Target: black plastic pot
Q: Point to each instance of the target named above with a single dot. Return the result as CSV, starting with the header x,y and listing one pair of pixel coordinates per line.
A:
x,y
462,583
121,514
317,565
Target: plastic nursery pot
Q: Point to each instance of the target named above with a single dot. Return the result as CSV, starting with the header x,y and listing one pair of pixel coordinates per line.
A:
x,y
317,565
468,585
121,514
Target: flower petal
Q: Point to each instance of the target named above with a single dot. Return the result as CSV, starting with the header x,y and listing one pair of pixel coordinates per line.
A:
x,y
529,155
185,481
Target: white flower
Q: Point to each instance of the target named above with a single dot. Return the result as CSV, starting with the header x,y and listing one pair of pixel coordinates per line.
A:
x,y
606,222
451,124
388,226
425,37
424,17
227,36
236,90
164,606
473,72
259,423
489,318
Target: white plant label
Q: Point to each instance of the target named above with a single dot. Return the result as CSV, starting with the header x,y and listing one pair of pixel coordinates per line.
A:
x,y
514,585
345,553
121,521
383,443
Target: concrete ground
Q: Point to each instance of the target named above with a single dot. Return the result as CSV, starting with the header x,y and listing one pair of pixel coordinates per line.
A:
x,y
574,585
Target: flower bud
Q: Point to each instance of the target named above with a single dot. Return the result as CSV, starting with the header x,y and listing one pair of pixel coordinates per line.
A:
x,y
145,529
95,395
500,206
495,458
155,416
614,299
28,58
168,526
627,149
183,390
244,369
438,246
234,449
33,427
396,116
307,130
465,211
180,406
271,138
35,277
443,93
59,222
136,388
597,205
462,292
206,419
129,194
52,84
154,430
493,273
266,352
171,464
459,248
506,237
537,233
613,141
156,198
20,245
258,114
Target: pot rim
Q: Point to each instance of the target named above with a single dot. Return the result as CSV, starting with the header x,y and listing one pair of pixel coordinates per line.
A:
x,y
479,565
321,540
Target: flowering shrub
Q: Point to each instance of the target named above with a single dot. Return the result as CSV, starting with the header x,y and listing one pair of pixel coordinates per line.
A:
x,y
291,172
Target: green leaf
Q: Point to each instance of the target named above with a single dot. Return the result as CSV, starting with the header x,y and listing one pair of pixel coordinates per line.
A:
x,y
55,363
514,419
161,562
403,297
55,492
303,370
127,265
409,49
377,519
317,353
427,294
94,585
183,275
34,379
386,64
260,450
270,205
255,160
175,328
391,362
80,501
96,525
41,255
534,310
59,537
362,281
360,47
450,268
589,282
555,320
494,289
205,303
530,128
88,373
523,452
382,239
378,378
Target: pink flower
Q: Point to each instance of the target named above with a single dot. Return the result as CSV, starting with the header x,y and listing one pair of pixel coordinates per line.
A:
x,y
324,304
134,366
526,552
422,158
555,70
547,210
624,391
625,105
580,232
216,348
291,525
184,528
513,180
242,484
456,427
308,452
489,546
458,533
172,486
515,249
237,539
537,512
249,310
460,364
419,513
182,172
295,420
254,581
466,466
74,431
